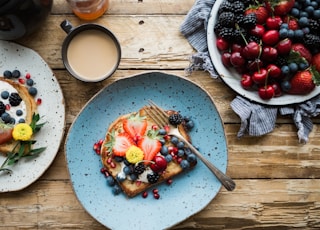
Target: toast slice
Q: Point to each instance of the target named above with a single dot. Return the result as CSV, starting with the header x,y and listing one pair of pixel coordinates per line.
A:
x,y
133,183
30,108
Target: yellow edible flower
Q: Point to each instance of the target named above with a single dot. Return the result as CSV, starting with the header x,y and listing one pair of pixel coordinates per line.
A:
x,y
134,154
22,132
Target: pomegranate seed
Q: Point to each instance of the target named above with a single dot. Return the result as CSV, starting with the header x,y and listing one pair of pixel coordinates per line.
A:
x,y
103,170
179,159
21,81
106,174
154,127
8,107
109,160
155,191
96,146
28,76
100,142
39,101
113,165
156,196
138,183
145,194
169,181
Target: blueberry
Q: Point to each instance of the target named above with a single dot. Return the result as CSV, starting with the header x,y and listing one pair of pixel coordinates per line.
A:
x,y
19,112
162,132
298,34
309,10
180,152
303,21
285,86
7,74
180,145
192,158
283,33
284,26
116,190
110,181
30,82
21,120
6,117
303,14
293,67
33,91
316,14
184,164
164,150
12,121
127,170
187,151
285,70
303,65
16,73
118,159
290,33
190,125
174,140
168,158
133,177
295,12
5,94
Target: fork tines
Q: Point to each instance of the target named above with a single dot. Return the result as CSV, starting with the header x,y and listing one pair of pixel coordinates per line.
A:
x,y
157,114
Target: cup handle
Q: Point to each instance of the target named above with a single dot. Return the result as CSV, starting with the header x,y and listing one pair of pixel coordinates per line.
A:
x,y
66,26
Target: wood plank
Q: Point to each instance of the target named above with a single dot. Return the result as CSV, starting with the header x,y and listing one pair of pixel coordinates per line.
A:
x,y
127,7
254,203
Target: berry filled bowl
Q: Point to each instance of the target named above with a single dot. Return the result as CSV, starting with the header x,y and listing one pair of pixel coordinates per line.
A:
x,y
267,51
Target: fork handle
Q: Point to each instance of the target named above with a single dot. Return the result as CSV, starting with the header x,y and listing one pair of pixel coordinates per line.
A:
x,y
226,181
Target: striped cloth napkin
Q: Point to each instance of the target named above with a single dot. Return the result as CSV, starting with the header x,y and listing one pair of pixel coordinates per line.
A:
x,y
256,119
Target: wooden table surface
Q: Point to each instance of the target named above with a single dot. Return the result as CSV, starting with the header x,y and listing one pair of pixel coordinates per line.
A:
x,y
278,179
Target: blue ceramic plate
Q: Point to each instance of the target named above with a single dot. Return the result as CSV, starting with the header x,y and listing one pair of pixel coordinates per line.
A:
x,y
188,194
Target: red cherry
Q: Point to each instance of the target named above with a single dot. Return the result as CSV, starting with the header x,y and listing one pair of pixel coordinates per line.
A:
x,y
254,65
274,23
159,165
260,77
236,48
246,81
258,31
251,50
277,89
274,71
222,44
284,46
269,53
237,60
271,37
225,58
266,92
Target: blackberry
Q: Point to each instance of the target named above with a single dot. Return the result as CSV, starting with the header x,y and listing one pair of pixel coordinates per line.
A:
x,y
153,177
139,168
226,33
175,119
314,26
226,19
249,21
254,39
281,61
225,6
2,108
238,7
237,36
14,99
312,41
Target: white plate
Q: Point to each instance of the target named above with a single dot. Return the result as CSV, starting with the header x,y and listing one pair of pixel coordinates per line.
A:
x,y
189,193
232,78
51,111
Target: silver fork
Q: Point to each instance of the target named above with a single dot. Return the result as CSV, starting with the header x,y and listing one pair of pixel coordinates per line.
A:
x,y
157,114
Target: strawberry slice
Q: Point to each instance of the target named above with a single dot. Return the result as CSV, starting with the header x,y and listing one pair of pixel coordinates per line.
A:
x,y
5,133
150,145
121,144
135,126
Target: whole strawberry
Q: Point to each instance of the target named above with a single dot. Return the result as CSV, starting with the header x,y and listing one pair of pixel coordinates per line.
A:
x,y
302,83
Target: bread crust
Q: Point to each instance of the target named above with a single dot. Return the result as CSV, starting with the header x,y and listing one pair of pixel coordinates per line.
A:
x,y
31,108
129,187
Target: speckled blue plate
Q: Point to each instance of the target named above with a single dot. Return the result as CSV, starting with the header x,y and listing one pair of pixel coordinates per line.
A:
x,y
188,194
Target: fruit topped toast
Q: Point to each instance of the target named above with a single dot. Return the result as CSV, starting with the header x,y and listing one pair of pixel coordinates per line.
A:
x,y
16,106
138,154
